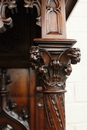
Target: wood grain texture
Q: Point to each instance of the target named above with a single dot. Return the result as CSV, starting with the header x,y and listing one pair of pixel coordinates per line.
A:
x,y
35,62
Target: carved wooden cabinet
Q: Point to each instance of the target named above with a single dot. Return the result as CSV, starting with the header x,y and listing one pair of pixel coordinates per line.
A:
x,y
35,61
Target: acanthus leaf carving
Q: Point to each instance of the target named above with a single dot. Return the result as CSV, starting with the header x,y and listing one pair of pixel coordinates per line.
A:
x,y
52,81
56,69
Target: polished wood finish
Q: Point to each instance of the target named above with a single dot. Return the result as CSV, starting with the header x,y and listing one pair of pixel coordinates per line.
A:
x,y
14,104
53,68
35,62
53,19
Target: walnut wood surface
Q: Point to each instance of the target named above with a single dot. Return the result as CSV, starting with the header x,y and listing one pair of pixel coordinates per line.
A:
x,y
35,62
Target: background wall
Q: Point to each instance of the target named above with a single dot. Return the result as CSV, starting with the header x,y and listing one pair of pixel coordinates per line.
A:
x,y
76,96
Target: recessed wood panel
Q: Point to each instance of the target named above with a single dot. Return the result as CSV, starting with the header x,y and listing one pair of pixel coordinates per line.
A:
x,y
53,19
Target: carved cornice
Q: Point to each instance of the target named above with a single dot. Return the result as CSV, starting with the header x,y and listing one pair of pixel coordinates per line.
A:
x,y
4,20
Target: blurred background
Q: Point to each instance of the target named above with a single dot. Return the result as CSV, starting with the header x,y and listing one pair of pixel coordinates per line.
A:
x,y
76,85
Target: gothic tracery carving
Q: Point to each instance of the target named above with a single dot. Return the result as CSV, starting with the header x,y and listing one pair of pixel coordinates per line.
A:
x,y
4,20
54,5
53,9
37,4
7,106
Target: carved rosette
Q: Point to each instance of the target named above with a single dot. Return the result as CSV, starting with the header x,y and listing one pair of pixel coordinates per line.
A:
x,y
7,106
4,20
52,74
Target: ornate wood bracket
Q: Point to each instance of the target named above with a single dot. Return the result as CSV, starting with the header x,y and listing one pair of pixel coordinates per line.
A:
x,y
4,20
8,106
53,70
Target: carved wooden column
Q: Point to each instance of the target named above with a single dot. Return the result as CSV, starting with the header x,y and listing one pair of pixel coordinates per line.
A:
x,y
45,62
52,57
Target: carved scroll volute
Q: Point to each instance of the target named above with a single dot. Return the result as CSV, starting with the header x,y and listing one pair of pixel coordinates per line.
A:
x,y
53,19
52,81
4,20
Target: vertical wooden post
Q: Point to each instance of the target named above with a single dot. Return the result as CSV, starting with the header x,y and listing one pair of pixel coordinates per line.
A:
x,y
52,60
